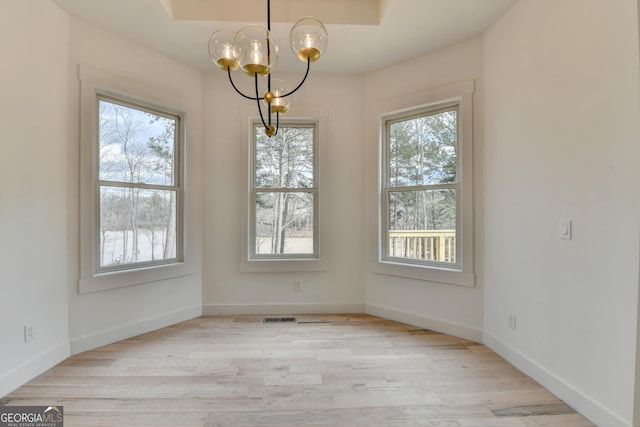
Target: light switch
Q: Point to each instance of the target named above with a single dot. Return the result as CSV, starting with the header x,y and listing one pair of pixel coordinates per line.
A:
x,y
564,229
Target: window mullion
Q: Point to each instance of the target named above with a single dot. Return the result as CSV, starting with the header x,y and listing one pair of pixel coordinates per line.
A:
x,y
139,185
284,190
424,187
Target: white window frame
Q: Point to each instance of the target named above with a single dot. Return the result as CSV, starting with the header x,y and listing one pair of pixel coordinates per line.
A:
x,y
105,96
387,189
461,272
95,85
318,261
259,127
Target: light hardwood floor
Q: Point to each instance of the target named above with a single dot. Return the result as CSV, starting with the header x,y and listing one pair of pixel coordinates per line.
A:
x,y
324,370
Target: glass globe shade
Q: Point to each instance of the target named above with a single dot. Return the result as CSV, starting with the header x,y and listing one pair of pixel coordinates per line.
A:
x,y
308,39
280,104
256,52
221,49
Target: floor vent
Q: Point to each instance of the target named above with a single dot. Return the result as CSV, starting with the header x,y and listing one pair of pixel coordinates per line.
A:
x,y
279,320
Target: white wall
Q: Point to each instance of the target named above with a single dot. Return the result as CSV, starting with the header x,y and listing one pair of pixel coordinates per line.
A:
x,y
443,307
339,288
562,142
33,242
102,317
636,412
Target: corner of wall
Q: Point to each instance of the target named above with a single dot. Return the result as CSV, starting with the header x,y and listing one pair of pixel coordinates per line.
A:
x,y
552,381
32,368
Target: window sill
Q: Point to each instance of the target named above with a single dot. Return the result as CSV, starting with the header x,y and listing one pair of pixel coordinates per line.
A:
x,y
119,279
424,273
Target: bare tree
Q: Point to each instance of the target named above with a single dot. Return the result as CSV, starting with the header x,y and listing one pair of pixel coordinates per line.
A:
x,y
284,163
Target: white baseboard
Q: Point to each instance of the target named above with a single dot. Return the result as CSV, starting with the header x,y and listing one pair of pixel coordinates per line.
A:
x,y
257,309
32,368
590,408
449,328
89,342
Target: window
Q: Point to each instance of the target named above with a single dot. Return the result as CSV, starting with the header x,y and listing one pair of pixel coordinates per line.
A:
x,y
284,193
132,192
284,215
137,186
424,198
420,186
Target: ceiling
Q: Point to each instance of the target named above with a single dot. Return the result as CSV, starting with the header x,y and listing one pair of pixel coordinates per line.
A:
x,y
357,43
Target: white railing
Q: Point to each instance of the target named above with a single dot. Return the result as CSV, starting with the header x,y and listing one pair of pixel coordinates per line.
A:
x,y
432,245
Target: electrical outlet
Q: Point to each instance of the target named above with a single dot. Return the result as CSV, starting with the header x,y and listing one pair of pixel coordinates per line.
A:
x,y
28,332
297,285
512,321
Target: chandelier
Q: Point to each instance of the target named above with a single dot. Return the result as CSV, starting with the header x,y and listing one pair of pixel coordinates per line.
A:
x,y
254,51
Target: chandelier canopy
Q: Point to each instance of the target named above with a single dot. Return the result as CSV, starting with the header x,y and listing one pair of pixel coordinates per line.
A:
x,y
254,51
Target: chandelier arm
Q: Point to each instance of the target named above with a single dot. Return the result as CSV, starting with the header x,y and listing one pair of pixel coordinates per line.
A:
x,y
277,123
302,82
238,90
257,99
268,90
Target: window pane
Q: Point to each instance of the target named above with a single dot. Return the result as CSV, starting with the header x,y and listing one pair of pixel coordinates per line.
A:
x,y
286,160
422,225
284,223
135,146
423,150
136,225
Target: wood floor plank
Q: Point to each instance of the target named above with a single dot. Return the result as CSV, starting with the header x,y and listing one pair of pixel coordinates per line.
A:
x,y
327,370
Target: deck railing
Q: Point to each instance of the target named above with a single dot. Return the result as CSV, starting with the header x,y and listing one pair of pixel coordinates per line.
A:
x,y
432,245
